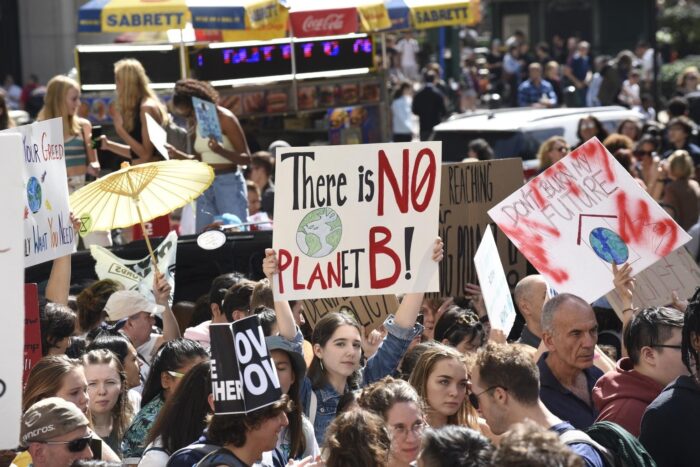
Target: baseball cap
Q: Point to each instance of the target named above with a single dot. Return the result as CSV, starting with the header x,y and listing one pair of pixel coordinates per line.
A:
x,y
125,303
297,359
50,418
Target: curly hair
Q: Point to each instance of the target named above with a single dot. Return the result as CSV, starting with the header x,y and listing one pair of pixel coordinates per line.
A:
x,y
357,439
381,396
91,303
225,429
527,444
506,366
186,89
616,141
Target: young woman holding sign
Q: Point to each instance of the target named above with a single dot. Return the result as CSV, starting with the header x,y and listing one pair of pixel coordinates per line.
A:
x,y
335,368
228,193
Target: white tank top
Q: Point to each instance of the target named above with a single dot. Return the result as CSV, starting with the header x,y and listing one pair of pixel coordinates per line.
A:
x,y
201,147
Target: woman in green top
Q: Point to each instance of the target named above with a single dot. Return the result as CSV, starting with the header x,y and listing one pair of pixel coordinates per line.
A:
x,y
62,100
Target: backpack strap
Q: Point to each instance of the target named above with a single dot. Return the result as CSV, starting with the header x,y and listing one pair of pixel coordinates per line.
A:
x,y
577,437
313,404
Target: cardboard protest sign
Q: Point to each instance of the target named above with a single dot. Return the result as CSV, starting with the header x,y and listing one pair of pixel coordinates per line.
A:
x,y
469,190
581,215
654,286
11,285
360,219
369,311
244,377
48,232
32,330
157,135
208,124
138,274
494,287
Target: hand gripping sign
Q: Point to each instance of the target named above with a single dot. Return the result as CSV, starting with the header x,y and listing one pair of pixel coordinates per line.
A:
x,y
243,375
578,217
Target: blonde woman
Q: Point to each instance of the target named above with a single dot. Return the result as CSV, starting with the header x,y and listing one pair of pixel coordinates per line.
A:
x,y
682,194
552,151
62,100
135,99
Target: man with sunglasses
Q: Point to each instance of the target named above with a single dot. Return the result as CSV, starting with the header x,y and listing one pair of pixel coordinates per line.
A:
x,y
653,342
505,389
56,433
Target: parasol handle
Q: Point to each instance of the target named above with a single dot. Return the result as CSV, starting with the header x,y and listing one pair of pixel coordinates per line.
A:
x,y
148,240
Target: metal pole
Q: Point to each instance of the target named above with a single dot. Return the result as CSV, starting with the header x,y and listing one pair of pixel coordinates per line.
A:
x,y
295,97
654,46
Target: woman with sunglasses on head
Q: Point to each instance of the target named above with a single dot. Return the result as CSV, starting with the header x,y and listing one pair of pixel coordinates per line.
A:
x,y
337,346
58,376
402,410
182,419
173,360
110,409
461,328
588,127
552,151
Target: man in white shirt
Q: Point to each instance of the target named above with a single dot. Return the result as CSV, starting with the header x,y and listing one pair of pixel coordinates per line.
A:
x,y
408,48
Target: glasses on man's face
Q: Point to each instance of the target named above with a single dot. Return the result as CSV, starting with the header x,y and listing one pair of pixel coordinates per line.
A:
x,y
667,346
401,431
474,398
75,445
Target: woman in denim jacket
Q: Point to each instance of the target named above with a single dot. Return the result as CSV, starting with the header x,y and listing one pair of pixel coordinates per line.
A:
x,y
335,368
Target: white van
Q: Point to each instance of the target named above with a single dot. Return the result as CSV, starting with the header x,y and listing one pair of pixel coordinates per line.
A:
x,y
519,132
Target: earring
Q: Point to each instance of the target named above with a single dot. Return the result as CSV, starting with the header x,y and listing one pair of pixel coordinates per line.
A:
x,y
320,362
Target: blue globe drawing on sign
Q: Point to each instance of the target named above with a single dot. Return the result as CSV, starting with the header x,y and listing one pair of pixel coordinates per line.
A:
x,y
34,194
608,245
319,233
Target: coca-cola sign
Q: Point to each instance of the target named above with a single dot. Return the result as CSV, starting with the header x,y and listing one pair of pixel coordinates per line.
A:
x,y
324,23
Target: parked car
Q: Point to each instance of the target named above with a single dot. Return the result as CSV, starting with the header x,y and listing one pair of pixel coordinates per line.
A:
x,y
519,132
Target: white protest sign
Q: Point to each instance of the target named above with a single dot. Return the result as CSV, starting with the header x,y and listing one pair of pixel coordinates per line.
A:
x,y
678,272
494,286
12,287
138,274
581,215
48,232
157,135
358,220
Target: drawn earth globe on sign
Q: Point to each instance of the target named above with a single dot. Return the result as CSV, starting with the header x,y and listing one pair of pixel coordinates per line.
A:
x,y
319,233
608,245
34,194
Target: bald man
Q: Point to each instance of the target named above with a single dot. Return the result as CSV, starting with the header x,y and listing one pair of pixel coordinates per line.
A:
x,y
530,294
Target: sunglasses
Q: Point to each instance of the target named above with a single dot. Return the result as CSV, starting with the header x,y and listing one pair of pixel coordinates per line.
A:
x,y
474,398
76,445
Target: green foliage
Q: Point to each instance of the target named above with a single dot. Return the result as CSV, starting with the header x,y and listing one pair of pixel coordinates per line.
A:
x,y
680,24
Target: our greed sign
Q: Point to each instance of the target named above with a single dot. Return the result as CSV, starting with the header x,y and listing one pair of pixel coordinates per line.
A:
x,y
48,231
362,219
243,375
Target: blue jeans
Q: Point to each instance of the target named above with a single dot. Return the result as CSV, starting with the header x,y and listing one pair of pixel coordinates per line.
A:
x,y
227,194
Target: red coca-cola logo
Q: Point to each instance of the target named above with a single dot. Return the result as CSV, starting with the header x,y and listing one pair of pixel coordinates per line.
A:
x,y
330,22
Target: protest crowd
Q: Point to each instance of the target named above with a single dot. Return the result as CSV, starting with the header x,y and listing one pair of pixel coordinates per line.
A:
x,y
577,381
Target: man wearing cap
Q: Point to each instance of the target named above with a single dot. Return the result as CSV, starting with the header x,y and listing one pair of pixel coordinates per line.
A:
x,y
134,315
56,433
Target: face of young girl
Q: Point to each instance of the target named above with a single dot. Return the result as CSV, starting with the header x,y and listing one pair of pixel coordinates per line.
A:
x,y
104,387
405,423
72,101
285,371
74,389
341,354
447,386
